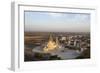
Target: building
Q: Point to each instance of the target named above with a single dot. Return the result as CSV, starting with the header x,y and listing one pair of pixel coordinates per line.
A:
x,y
51,44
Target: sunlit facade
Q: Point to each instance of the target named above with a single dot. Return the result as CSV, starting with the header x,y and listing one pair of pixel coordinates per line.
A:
x,y
51,44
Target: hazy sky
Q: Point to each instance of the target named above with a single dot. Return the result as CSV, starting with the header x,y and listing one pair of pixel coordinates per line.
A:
x,y
57,22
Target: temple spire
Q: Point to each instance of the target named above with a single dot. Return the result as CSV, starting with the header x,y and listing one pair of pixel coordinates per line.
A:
x,y
51,45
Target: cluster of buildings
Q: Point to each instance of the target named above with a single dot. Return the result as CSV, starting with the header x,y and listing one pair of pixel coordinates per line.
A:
x,y
74,42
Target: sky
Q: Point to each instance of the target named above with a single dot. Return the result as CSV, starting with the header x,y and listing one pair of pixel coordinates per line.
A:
x,y
56,22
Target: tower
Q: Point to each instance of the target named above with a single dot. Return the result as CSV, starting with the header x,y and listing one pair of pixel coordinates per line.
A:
x,y
51,44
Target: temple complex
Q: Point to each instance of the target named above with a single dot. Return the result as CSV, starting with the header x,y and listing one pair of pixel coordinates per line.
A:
x,y
51,44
